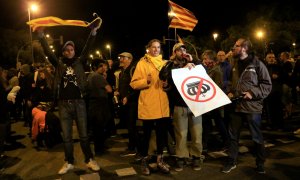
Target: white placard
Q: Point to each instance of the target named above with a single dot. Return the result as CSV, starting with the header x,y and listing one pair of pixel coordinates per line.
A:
x,y
198,90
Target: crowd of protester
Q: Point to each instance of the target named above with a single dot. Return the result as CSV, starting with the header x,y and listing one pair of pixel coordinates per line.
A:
x,y
143,92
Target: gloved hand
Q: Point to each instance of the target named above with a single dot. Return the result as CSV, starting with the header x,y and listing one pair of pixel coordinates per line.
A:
x,y
95,24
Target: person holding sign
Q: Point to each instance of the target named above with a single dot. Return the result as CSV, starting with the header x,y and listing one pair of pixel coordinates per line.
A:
x,y
183,118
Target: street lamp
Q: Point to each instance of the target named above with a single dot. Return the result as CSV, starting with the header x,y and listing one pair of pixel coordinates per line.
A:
x,y
260,35
294,49
99,54
215,44
33,8
215,36
109,49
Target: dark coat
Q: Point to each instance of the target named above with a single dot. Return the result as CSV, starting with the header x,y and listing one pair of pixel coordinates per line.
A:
x,y
255,79
60,66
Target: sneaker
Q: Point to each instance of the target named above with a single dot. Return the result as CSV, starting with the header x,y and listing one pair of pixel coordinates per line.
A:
x,y
228,167
260,169
144,167
196,163
179,164
128,153
66,167
92,164
162,166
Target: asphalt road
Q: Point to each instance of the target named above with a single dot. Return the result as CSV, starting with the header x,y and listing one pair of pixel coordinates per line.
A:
x,y
24,160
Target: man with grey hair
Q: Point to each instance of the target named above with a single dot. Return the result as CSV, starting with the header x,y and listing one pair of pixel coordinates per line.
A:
x,y
129,102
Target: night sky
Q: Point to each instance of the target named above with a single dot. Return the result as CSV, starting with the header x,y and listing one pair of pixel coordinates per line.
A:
x,y
129,24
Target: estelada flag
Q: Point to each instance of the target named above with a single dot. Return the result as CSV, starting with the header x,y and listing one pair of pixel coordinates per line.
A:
x,y
55,21
183,18
198,90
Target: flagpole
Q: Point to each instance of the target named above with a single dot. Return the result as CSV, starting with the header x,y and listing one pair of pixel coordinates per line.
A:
x,y
169,45
175,35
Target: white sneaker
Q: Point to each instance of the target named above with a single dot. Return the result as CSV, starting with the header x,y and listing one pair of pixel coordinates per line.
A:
x,y
66,167
92,164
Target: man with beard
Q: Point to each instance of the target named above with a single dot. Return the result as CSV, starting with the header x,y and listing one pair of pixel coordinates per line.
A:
x,y
249,85
183,118
70,89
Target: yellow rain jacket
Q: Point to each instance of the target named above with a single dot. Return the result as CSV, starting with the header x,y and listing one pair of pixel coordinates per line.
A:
x,y
153,102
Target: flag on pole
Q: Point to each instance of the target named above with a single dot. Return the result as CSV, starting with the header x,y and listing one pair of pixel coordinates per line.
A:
x,y
198,90
182,18
55,21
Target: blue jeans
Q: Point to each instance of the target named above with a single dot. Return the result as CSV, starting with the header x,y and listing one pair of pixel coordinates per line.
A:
x,y
235,127
70,110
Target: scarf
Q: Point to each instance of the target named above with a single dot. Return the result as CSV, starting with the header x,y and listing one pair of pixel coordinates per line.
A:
x,y
156,61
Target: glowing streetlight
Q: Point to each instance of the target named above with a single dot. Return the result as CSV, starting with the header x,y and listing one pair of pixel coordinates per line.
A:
x,y
260,34
109,49
33,8
91,56
99,54
215,36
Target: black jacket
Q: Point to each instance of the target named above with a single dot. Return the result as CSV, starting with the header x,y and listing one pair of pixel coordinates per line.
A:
x,y
125,89
165,74
60,67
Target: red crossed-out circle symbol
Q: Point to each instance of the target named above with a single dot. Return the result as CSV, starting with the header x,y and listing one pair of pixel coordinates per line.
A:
x,y
198,89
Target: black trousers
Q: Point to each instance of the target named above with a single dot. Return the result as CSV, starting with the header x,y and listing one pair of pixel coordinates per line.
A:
x,y
98,117
160,126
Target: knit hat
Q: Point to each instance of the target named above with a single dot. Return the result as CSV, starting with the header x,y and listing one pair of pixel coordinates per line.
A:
x,y
68,43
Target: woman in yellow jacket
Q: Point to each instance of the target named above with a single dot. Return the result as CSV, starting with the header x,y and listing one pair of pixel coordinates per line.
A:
x,y
153,104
